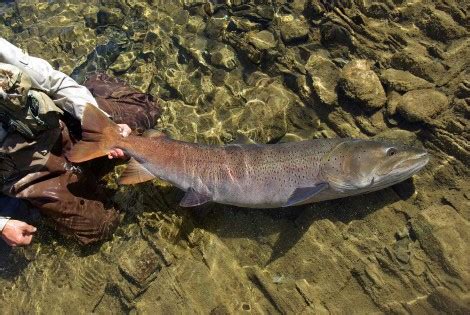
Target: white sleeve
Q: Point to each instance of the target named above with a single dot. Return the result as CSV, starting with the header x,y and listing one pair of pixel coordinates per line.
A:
x,y
64,91
3,222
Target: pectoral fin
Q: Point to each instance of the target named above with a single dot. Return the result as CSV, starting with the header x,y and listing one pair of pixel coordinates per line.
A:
x,y
135,173
193,199
304,193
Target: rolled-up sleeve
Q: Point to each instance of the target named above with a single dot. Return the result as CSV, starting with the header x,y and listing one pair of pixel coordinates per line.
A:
x,y
63,90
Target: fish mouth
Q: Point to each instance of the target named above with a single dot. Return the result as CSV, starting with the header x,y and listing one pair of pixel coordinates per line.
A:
x,y
413,164
402,170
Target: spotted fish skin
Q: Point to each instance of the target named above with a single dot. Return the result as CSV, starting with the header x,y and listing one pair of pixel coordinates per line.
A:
x,y
253,175
263,176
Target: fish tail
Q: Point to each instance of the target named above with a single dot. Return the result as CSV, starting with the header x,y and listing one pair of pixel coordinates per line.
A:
x,y
99,135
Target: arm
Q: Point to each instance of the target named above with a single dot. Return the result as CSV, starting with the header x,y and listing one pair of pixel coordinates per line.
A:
x,y
64,91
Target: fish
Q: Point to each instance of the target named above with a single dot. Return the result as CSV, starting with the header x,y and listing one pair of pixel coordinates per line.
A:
x,y
252,175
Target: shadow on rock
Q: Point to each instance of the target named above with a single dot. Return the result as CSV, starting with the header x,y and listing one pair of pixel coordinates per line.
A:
x,y
289,224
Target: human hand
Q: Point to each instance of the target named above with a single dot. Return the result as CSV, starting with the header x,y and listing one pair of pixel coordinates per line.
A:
x,y
125,130
18,233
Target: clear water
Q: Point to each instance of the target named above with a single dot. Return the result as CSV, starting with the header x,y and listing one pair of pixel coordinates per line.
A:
x,y
269,70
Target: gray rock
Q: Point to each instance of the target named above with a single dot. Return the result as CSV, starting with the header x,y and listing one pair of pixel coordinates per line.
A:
x,y
403,81
421,105
325,76
361,84
262,40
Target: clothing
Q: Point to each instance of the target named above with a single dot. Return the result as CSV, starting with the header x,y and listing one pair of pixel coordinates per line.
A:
x,y
64,91
37,171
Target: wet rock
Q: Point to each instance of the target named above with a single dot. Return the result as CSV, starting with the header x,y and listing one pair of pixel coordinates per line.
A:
x,y
360,83
439,25
324,76
422,105
195,24
123,62
416,60
262,40
264,116
333,34
442,232
224,57
403,81
140,263
393,99
293,29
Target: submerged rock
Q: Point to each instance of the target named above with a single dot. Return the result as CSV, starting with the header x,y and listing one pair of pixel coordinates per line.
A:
x,y
360,83
224,57
293,29
421,105
324,76
403,81
262,40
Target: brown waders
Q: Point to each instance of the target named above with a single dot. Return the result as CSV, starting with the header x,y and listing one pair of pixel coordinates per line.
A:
x,y
68,195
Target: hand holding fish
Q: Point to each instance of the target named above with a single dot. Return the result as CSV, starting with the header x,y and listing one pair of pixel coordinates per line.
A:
x,y
118,153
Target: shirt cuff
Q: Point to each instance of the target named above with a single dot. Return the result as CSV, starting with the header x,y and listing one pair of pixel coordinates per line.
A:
x,y
3,222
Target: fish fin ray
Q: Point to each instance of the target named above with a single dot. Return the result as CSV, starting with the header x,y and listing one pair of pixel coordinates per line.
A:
x,y
304,193
135,173
192,199
98,136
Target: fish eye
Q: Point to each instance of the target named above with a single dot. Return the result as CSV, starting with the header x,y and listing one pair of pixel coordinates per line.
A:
x,y
392,152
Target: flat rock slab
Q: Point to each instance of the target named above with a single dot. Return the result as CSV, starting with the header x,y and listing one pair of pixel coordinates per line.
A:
x,y
139,263
403,81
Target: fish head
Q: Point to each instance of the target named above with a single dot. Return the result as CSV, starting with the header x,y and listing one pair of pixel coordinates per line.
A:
x,y
366,165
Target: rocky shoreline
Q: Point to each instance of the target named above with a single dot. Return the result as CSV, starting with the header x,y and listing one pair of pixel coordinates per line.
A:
x,y
273,71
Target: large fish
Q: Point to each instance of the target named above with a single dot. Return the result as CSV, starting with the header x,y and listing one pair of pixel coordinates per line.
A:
x,y
253,175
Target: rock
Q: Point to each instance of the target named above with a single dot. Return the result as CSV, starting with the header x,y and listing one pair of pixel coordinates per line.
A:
x,y
438,25
421,105
361,84
444,235
324,76
333,34
393,98
293,29
140,263
403,81
262,40
123,62
415,60
224,57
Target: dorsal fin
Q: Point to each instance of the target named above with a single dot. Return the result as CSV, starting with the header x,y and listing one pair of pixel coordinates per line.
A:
x,y
135,173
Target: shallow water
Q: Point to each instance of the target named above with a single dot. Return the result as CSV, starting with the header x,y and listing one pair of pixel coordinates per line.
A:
x,y
274,71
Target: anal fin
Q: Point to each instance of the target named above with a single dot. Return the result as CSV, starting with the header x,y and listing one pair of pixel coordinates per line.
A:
x,y
135,173
302,194
192,199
